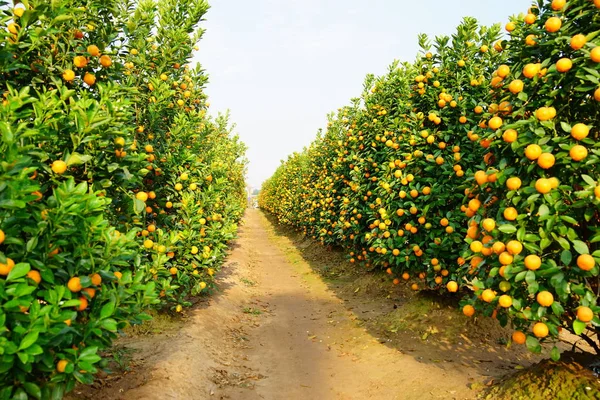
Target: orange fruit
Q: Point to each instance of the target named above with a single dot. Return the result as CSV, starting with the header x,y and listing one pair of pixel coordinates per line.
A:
x,y
505,258
564,65
586,262
533,262
530,19
61,365
531,70
545,298
91,292
540,330
488,295
533,151
93,50
503,71
74,284
514,247
580,131
68,75
495,123
34,276
553,24
510,213
476,246
83,304
473,232
96,279
585,314
105,61
2,236
474,204
545,113
597,192
89,79
173,271
488,224
468,310
481,178
5,268
452,286
519,337
142,196
578,41
118,275
513,183
546,160
498,247
414,287
405,276
510,26
558,5
505,301
530,40
59,167
543,185
578,152
80,61
595,54
516,86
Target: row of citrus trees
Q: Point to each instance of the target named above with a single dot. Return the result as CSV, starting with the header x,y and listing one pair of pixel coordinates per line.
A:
x,y
473,169
117,191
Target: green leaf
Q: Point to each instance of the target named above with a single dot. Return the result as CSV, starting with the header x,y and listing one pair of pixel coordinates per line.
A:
x,y
109,324
533,344
58,392
530,277
579,327
563,243
555,354
557,309
33,390
28,340
78,159
507,228
589,180
107,310
580,247
543,210
566,257
18,271
139,206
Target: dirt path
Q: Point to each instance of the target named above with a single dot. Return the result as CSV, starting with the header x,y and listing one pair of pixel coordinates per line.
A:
x,y
275,331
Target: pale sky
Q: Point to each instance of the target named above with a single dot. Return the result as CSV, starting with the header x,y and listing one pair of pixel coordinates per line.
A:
x,y
280,66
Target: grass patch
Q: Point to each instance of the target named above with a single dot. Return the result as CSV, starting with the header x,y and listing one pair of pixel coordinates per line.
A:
x,y
252,310
160,322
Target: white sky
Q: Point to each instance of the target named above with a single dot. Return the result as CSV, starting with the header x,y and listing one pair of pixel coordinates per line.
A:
x,y
280,66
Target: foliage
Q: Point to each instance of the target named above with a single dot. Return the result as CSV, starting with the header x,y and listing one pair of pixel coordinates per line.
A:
x,y
413,175
102,119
